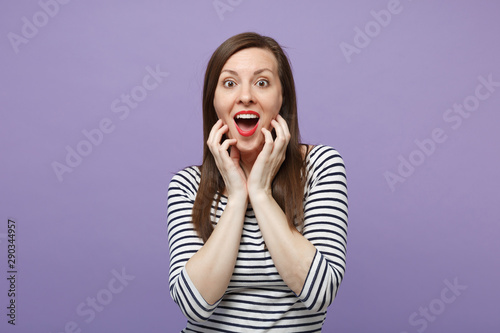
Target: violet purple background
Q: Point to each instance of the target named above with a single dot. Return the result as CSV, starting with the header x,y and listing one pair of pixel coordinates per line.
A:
x,y
109,213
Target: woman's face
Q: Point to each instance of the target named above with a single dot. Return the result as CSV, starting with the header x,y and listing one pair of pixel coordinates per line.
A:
x,y
248,96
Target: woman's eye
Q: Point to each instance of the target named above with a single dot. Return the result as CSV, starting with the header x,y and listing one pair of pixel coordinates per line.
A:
x,y
262,83
229,84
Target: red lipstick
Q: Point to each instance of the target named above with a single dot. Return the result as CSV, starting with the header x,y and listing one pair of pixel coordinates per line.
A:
x,y
246,122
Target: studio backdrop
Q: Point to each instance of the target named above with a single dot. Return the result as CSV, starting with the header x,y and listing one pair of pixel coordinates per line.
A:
x,y
100,104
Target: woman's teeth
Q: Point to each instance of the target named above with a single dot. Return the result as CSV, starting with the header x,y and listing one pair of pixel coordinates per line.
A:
x,y
247,116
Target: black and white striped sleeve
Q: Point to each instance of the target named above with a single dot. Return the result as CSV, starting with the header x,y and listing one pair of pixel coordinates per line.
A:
x,y
183,243
325,226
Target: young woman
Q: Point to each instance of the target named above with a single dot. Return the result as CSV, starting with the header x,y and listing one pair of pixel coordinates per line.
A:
x,y
257,233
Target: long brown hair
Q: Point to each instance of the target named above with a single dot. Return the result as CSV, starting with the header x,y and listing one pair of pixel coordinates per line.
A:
x,y
288,185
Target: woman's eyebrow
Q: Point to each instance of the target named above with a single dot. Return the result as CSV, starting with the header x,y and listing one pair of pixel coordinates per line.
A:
x,y
230,71
257,72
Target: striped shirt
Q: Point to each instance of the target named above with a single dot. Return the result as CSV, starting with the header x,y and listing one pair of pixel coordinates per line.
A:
x,y
257,299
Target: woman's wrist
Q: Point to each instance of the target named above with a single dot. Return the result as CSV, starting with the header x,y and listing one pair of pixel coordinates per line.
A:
x,y
238,199
260,195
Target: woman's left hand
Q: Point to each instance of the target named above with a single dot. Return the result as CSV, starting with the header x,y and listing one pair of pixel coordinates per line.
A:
x,y
269,161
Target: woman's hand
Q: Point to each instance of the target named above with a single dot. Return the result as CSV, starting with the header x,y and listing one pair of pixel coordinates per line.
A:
x,y
212,266
227,163
269,161
291,252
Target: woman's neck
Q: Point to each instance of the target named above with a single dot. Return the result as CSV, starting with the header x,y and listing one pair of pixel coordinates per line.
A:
x,y
247,160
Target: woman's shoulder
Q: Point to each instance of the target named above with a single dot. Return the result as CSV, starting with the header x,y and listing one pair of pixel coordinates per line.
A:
x,y
190,171
321,152
323,161
187,177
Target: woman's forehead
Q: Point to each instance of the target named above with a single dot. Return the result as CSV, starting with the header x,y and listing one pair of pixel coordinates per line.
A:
x,y
251,60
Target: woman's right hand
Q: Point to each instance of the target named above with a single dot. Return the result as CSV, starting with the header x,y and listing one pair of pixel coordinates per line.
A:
x,y
228,163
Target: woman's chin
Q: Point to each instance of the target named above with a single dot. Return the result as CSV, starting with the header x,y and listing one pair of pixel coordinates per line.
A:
x,y
250,145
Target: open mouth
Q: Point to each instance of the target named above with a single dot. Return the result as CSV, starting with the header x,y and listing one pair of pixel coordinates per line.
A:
x,y
246,122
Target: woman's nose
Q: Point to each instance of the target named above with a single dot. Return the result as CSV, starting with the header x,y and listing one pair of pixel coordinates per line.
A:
x,y
246,96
